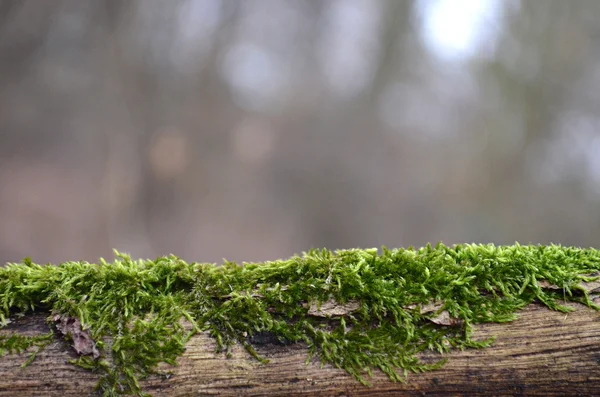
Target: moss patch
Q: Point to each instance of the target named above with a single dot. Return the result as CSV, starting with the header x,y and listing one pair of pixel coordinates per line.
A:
x,y
356,309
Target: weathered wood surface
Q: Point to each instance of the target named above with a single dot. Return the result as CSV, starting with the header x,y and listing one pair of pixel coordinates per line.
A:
x,y
543,353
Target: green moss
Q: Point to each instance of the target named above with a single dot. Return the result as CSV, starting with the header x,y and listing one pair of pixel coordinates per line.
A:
x,y
140,305
16,343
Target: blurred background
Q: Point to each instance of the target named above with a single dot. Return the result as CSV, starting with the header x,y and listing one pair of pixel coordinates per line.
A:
x,y
255,129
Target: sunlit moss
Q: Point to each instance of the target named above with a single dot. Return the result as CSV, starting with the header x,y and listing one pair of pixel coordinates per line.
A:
x,y
139,306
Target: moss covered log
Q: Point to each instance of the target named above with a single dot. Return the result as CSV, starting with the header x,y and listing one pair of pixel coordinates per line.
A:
x,y
359,310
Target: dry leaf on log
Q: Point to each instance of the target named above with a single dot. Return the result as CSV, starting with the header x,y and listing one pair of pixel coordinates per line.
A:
x,y
82,340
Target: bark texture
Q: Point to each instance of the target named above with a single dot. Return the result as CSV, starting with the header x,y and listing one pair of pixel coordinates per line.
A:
x,y
542,353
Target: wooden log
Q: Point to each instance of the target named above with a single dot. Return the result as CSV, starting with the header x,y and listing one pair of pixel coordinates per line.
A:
x,y
542,353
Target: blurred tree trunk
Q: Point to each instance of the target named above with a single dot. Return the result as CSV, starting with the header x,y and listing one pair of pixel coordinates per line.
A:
x,y
545,34
542,353
396,36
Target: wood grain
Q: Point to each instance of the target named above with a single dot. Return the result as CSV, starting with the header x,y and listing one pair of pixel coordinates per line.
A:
x,y
543,353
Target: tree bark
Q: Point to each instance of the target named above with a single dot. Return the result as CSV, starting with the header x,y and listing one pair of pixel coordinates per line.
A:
x,y
542,353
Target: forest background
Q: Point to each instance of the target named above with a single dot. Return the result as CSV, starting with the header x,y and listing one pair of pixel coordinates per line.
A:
x,y
255,129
